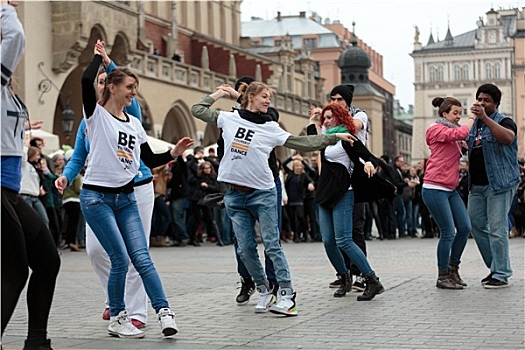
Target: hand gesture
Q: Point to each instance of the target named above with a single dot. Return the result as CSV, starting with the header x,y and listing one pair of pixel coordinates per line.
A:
x,y
479,111
229,90
370,169
33,124
61,184
99,48
346,137
314,113
181,146
102,52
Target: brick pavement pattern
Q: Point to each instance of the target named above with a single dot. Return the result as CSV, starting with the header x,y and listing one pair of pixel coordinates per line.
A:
x,y
201,283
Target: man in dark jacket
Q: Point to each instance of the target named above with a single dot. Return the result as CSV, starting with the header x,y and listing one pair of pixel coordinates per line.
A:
x,y
178,197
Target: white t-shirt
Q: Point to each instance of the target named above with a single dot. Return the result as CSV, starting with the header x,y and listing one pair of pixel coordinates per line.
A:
x,y
362,134
114,156
247,147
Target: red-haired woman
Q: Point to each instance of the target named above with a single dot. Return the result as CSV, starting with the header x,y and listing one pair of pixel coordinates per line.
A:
x,y
342,174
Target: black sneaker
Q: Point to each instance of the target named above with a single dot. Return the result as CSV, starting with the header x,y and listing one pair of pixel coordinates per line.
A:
x,y
486,279
336,284
247,289
495,284
359,284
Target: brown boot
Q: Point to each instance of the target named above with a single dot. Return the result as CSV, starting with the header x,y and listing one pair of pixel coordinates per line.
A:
x,y
283,236
454,273
445,282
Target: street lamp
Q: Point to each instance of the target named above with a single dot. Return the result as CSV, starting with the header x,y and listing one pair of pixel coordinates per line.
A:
x,y
68,120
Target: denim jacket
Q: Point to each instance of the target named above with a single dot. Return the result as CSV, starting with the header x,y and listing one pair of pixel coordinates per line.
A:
x,y
501,161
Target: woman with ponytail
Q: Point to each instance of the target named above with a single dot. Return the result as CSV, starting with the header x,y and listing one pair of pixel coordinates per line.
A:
x,y
444,138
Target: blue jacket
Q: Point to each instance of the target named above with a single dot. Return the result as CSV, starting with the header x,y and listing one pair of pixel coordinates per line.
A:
x,y
78,159
501,161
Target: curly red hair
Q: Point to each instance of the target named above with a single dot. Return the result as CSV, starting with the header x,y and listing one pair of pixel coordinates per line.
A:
x,y
341,117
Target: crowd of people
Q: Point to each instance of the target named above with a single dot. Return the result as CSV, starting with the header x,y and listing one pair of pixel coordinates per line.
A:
x,y
112,195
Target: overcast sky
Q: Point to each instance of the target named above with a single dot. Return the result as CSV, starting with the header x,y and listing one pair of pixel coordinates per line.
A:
x,y
388,26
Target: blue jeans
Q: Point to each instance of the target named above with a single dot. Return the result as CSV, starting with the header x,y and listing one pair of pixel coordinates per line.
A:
x,y
178,215
336,230
115,220
268,265
450,214
404,215
488,213
244,208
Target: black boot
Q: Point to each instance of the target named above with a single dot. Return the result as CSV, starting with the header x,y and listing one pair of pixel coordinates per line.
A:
x,y
373,287
454,273
346,285
46,345
444,281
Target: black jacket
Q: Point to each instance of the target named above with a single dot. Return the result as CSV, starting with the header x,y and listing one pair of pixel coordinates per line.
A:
x,y
334,179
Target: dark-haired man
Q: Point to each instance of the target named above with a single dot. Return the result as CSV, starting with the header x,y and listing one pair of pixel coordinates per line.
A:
x,y
494,176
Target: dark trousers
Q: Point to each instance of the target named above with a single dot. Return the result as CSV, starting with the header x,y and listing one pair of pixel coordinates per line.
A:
x,y
298,222
72,210
161,218
386,212
27,243
311,214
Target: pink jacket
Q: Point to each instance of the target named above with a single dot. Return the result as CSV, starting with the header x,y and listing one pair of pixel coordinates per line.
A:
x,y
442,167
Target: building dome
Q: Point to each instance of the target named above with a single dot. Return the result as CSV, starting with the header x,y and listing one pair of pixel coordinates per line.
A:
x,y
354,57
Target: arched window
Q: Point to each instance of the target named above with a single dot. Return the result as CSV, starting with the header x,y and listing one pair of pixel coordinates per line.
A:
x,y
441,74
497,70
457,72
465,72
432,74
488,71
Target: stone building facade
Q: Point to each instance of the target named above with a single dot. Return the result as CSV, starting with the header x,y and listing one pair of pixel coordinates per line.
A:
x,y
181,51
494,52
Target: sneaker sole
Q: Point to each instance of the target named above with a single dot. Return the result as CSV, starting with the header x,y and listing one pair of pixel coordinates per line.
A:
x,y
358,289
169,331
488,286
242,302
292,312
118,335
261,311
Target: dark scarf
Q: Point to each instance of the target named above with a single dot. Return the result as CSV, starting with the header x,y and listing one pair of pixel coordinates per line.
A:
x,y
257,118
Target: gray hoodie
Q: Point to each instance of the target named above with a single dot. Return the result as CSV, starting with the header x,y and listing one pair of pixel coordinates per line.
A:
x,y
13,110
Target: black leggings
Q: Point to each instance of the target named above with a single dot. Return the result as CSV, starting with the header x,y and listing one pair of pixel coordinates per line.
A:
x,y
26,242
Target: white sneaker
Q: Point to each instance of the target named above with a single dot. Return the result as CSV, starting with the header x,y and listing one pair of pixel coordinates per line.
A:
x,y
121,326
266,299
285,304
167,322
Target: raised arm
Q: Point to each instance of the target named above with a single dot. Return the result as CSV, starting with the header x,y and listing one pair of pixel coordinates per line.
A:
x,y
201,109
89,95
